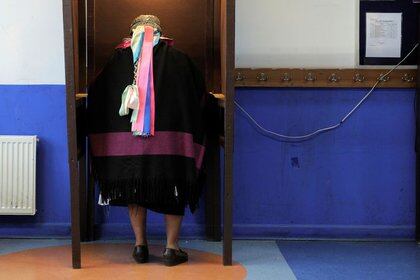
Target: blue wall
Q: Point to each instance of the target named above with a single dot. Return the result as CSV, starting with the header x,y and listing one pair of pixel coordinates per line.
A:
x,y
40,110
354,182
357,181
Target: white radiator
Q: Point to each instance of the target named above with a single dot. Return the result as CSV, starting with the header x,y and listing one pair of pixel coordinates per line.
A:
x,y
17,175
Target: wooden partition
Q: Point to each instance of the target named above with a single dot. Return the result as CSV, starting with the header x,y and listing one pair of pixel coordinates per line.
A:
x,y
228,88
69,18
188,22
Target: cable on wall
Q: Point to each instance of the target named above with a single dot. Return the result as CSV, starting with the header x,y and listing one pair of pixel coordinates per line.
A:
x,y
308,136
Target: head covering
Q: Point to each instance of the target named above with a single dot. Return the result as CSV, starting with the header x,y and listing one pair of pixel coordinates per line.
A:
x,y
149,20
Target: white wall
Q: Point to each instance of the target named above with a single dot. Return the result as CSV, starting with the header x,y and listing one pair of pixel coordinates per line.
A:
x,y
31,42
296,33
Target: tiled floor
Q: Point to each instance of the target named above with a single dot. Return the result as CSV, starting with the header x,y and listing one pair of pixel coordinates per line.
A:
x,y
352,260
303,260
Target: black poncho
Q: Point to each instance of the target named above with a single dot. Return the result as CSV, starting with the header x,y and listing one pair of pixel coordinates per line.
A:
x,y
160,172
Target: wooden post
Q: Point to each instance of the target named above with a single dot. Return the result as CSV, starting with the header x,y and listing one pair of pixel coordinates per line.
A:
x,y
228,65
71,129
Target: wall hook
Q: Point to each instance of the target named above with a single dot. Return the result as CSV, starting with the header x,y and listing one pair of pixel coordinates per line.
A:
x,y
262,77
310,77
407,78
286,77
239,77
334,78
382,78
359,78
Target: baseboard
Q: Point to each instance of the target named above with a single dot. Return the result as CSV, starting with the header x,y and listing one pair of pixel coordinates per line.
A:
x,y
270,231
197,231
35,230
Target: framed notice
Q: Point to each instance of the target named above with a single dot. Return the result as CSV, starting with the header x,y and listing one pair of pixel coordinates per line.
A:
x,y
388,31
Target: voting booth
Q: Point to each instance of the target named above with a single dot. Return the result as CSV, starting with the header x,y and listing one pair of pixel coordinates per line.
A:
x,y
202,29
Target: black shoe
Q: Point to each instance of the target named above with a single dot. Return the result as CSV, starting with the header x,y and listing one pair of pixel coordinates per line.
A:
x,y
173,257
141,253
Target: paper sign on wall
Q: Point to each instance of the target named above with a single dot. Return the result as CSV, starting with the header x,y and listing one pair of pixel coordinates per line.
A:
x,y
383,34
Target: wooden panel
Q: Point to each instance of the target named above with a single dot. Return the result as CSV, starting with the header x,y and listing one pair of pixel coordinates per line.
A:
x,y
217,83
227,66
245,77
81,46
75,24
183,20
79,49
90,38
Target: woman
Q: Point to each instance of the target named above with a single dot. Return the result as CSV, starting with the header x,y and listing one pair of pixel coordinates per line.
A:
x,y
146,132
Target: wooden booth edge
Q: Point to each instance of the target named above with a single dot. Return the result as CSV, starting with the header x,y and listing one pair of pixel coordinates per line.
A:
x,y
228,87
71,130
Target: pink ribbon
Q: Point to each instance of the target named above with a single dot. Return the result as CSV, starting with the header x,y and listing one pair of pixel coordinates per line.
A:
x,y
144,82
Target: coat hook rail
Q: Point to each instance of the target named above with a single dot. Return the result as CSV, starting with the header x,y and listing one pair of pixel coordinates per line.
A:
x,y
345,78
